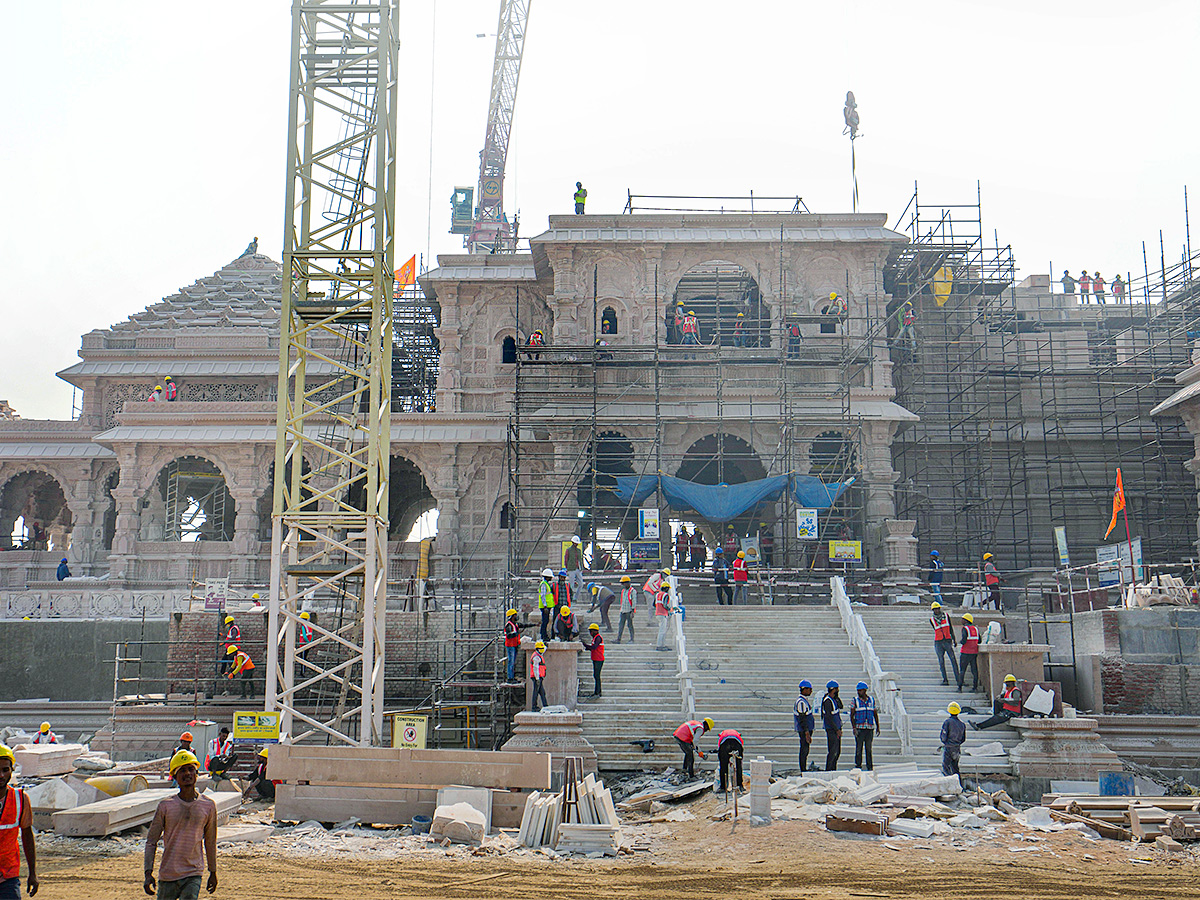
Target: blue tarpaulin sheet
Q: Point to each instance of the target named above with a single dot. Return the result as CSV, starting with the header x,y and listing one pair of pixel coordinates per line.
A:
x,y
722,502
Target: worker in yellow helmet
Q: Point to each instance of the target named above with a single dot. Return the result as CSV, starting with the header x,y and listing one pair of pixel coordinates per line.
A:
x,y
187,825
45,735
741,580
537,675
739,331
685,736
512,640
968,657
242,665
259,782
566,627
156,396
689,330
944,641
16,818
954,734
992,578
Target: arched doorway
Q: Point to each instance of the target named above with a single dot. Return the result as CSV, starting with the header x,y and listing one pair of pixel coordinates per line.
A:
x,y
605,521
724,459
717,292
266,502
409,498
33,507
188,502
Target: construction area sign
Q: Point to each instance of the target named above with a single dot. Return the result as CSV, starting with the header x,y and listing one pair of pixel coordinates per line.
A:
x,y
648,524
845,551
408,732
1114,565
806,524
1060,544
215,592
253,727
749,546
644,551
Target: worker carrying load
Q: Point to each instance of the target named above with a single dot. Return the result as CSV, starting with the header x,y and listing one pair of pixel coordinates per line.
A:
x,y
685,736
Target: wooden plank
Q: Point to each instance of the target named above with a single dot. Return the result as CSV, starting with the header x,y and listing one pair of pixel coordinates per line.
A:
x,y
393,767
115,814
45,760
328,803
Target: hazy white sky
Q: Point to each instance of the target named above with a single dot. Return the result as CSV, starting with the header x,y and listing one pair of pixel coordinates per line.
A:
x,y
143,143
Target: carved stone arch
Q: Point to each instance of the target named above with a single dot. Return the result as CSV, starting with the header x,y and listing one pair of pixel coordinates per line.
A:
x,y
821,276
616,275
150,469
45,488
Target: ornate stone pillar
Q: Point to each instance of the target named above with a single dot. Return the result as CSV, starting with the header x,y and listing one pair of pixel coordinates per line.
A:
x,y
447,396
245,549
120,561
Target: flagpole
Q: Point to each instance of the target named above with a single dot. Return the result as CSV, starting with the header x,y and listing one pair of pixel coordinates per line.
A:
x,y
1128,537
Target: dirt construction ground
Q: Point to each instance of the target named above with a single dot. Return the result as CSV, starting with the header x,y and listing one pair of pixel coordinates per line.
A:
x,y
696,858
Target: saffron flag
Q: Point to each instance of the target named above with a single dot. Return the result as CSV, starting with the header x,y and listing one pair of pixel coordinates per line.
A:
x,y
1118,504
407,274
943,282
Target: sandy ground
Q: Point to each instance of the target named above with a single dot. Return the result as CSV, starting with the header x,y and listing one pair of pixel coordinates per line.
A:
x,y
696,858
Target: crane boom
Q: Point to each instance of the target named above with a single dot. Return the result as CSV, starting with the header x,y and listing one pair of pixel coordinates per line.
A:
x,y
491,231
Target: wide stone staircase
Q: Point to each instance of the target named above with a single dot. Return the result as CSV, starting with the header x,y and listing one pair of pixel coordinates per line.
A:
x,y
903,641
746,662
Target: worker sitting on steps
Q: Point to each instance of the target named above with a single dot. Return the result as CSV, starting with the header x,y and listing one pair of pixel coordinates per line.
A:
x,y
220,757
1009,705
969,655
565,626
580,197
537,674
864,719
259,782
685,737
730,747
45,735
243,666
943,640
546,601
954,734
831,721
596,646
627,609
805,722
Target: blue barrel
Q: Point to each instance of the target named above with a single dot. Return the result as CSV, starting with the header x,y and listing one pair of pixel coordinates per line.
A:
x,y
421,824
1116,784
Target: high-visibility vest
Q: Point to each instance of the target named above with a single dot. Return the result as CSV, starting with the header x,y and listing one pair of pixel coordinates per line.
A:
x,y
1085,281
172,391
233,635
242,662
536,340
662,603
653,583
739,570
1097,285
943,630
862,712
690,325
305,635
545,595
597,649
728,734
581,195
1010,703
48,738
537,665
990,575
512,634
689,731
10,829
971,640
216,748
628,599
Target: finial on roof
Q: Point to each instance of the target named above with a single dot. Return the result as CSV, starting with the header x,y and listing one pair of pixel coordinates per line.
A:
x,y
251,248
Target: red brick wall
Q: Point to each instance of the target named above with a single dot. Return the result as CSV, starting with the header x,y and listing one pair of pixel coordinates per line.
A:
x,y
1149,688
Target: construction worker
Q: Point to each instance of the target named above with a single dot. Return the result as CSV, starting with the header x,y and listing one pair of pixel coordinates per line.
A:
x,y
662,611
730,748
220,756
1098,288
793,340
242,665
741,579
838,307
602,597
170,390
156,395
720,569
680,315
565,626
969,655
545,600
805,722
537,339
1009,705
943,640
1068,282
1085,284
562,596
233,635
652,588
512,640
685,736
682,549
259,781
954,735
731,543
45,735
185,743
596,646
1118,287
699,549
907,335
992,578
304,633
574,564
537,674
64,571
831,721
627,609
690,329
187,825
16,817
937,569
864,719
739,330
580,198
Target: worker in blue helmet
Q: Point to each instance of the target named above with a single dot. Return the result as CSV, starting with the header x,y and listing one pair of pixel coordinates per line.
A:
x,y
936,570
720,571
562,596
864,719
831,721
805,721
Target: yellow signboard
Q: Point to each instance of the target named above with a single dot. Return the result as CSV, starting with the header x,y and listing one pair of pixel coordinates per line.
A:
x,y
845,551
256,727
409,732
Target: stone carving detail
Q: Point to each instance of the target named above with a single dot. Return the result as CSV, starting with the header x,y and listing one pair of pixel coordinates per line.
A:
x,y
117,395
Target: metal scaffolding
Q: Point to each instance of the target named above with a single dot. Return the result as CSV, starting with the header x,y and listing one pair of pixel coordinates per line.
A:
x,y
330,518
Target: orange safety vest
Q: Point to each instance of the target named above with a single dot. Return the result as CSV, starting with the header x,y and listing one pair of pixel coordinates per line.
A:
x,y
688,730
242,662
537,665
726,735
662,604
10,828
943,630
1011,705
172,391
971,644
